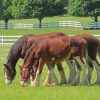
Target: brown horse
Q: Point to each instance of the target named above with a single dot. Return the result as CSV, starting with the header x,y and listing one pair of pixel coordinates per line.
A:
x,y
93,49
49,51
19,49
78,53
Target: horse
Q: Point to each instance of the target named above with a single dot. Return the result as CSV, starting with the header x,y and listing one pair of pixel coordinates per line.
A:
x,y
19,49
48,51
78,51
93,50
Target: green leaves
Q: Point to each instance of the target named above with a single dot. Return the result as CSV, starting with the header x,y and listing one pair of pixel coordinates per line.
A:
x,y
84,8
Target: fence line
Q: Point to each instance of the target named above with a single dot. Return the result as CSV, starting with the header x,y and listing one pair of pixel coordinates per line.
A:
x,y
8,39
12,39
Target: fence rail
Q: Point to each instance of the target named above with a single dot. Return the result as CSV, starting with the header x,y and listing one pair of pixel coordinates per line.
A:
x,y
12,39
44,25
8,39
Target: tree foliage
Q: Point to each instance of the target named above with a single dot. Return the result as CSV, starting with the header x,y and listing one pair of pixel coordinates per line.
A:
x,y
84,8
37,8
6,10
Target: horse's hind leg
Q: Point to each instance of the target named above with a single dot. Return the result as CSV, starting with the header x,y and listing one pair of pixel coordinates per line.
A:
x,y
76,79
84,69
62,74
72,70
38,74
51,78
90,70
98,72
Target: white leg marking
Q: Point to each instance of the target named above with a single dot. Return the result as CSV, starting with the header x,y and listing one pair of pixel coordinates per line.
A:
x,y
72,71
36,80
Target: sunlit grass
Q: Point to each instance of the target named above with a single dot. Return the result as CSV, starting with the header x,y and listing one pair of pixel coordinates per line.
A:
x,y
16,92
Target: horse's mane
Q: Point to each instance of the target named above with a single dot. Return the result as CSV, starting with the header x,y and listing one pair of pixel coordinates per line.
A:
x,y
31,48
15,49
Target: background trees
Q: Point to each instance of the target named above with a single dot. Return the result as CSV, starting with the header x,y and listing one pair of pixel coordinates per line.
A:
x,y
6,11
37,8
85,8
44,8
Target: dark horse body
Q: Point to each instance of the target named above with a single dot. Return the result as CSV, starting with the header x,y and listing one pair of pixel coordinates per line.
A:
x,y
93,50
19,49
50,51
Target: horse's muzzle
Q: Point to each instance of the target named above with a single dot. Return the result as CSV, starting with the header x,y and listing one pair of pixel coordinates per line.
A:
x,y
7,81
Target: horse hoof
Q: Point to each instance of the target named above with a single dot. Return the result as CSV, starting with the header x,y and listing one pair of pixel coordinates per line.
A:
x,y
34,85
63,83
95,84
54,84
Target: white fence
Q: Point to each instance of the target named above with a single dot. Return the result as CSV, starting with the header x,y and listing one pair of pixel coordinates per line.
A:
x,y
70,24
12,39
8,39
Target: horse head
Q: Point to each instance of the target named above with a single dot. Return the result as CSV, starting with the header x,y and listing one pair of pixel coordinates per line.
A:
x,y
24,76
9,74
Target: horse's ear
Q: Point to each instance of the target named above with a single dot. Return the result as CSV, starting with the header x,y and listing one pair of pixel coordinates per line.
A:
x,y
6,66
20,67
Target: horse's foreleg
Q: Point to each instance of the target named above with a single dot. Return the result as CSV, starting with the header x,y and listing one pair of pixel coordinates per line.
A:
x,y
38,74
72,70
62,74
51,77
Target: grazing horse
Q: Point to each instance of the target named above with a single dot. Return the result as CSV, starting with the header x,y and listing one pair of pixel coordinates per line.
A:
x,y
93,49
49,51
19,49
78,53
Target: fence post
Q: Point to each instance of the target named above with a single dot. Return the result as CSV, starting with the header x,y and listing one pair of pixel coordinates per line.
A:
x,y
2,40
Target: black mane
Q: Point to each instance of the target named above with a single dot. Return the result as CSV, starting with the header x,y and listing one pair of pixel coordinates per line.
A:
x,y
15,51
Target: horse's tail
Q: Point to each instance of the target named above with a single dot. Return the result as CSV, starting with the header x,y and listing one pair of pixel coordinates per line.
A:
x,y
84,51
98,53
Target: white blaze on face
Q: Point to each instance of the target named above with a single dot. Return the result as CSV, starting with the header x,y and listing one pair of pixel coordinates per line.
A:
x,y
7,81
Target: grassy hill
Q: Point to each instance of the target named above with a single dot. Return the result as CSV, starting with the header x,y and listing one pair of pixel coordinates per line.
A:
x,y
46,30
16,92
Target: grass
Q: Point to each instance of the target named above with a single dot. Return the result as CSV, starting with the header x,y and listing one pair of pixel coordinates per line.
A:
x,y
46,30
16,92
52,19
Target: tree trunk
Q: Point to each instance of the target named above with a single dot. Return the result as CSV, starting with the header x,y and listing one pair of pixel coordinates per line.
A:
x,y
6,23
40,20
95,18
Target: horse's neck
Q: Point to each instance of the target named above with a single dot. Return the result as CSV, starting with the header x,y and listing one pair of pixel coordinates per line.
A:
x,y
12,59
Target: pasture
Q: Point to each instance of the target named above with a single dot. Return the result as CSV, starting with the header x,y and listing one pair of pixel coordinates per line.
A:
x,y
16,92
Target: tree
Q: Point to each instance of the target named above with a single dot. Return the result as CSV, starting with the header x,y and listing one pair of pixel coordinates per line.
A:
x,y
20,8
44,8
0,8
85,8
37,8
6,11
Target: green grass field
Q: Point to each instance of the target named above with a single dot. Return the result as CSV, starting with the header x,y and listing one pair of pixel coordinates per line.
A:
x,y
16,92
